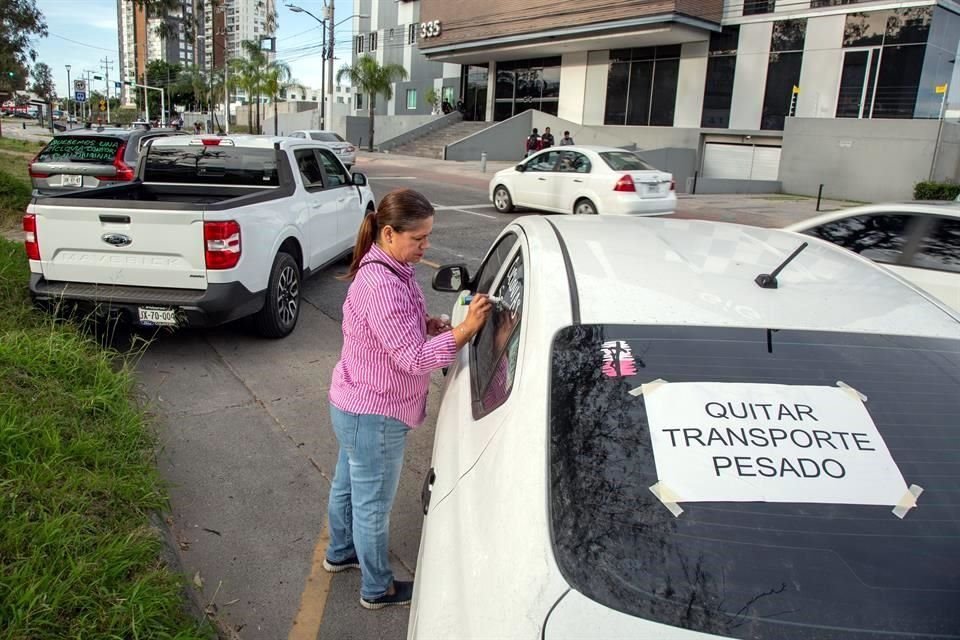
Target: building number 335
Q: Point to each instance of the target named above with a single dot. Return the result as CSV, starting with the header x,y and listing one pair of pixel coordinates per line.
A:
x,y
430,29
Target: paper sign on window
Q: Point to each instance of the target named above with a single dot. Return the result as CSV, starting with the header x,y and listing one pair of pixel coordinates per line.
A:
x,y
740,442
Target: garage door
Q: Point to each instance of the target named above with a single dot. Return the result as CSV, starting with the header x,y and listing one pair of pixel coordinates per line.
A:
x,y
740,161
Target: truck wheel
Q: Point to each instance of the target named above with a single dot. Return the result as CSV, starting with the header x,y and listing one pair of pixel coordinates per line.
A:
x,y
282,305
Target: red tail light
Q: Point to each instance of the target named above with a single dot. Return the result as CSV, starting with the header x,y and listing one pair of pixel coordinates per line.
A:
x,y
222,241
124,171
34,174
625,184
30,241
211,142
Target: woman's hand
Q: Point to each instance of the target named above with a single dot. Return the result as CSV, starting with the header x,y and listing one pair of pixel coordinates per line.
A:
x,y
436,326
477,314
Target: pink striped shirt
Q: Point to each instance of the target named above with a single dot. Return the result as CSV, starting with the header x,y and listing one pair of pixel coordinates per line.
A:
x,y
387,357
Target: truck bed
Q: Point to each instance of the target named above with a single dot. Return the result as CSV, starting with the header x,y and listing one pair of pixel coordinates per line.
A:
x,y
139,195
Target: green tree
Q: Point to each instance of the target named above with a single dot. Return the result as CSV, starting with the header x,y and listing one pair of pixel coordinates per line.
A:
x,y
43,84
372,78
20,23
252,75
277,79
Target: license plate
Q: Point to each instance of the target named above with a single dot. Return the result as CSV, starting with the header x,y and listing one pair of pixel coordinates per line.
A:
x,y
72,181
651,189
158,315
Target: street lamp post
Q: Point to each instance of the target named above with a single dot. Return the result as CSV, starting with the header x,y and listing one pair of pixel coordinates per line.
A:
x,y
326,53
70,102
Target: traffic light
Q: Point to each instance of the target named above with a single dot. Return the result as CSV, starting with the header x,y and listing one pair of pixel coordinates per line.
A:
x,y
98,77
11,74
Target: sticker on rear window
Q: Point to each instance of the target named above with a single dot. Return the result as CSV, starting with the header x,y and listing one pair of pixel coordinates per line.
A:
x,y
744,442
618,359
80,149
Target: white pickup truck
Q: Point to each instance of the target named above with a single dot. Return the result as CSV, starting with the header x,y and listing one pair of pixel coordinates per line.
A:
x,y
212,229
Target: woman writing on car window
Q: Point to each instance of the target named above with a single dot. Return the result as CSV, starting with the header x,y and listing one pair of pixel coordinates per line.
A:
x,y
379,388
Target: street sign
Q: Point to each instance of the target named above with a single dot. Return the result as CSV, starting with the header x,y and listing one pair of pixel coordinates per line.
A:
x,y
941,88
116,85
80,96
79,85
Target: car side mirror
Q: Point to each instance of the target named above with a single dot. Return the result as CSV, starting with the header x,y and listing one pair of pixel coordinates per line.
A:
x,y
452,278
521,167
359,179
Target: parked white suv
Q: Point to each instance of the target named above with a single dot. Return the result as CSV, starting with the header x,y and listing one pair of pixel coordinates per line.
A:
x,y
344,150
212,229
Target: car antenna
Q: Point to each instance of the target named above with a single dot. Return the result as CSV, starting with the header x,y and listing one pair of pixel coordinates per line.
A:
x,y
769,280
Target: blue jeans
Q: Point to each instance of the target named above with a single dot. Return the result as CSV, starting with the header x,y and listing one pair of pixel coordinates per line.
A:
x,y
364,486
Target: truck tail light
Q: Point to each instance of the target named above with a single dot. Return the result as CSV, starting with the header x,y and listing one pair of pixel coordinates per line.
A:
x,y
30,241
124,171
625,183
222,244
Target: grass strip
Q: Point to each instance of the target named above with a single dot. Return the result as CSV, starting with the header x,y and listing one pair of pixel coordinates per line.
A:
x,y
21,146
15,189
78,558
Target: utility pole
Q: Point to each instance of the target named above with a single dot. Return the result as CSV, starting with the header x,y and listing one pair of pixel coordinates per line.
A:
x,y
329,89
107,66
88,73
70,92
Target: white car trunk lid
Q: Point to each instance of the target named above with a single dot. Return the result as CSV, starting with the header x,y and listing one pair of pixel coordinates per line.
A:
x,y
150,248
650,184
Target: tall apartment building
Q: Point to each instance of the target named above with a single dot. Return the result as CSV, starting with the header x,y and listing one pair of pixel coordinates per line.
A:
x,y
196,32
391,34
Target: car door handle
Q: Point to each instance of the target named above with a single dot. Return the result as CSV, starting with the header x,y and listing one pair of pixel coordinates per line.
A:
x,y
427,490
577,180
543,179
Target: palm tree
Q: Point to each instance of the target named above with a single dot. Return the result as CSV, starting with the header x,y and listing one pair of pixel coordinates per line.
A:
x,y
244,76
252,73
277,79
372,78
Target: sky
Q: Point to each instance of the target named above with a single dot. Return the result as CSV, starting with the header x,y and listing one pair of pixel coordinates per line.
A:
x,y
84,32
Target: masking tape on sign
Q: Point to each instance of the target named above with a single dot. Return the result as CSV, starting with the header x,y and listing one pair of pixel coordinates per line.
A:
x,y
908,501
853,392
668,498
648,388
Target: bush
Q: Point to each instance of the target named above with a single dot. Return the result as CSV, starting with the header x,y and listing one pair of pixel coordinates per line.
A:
x,y
931,190
14,198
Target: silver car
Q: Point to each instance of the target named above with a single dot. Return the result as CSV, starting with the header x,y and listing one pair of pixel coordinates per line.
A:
x,y
88,158
344,150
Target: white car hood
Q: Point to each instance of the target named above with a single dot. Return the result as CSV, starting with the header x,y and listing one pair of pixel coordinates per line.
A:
x,y
577,617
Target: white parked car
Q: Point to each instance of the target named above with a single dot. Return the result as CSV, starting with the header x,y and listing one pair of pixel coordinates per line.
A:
x,y
585,180
920,241
645,443
344,150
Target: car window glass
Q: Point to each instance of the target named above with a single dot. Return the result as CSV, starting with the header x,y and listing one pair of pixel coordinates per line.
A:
x,y
573,162
309,167
325,136
880,237
940,248
335,171
493,262
544,161
496,345
87,149
296,134
625,161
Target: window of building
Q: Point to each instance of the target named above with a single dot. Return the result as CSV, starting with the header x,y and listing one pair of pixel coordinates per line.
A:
x,y
411,99
359,44
721,68
883,62
783,71
373,41
755,7
412,34
359,101
527,84
642,86
446,95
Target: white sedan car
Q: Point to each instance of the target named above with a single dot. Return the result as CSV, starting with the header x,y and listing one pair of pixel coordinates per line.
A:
x,y
920,241
344,150
585,180
644,442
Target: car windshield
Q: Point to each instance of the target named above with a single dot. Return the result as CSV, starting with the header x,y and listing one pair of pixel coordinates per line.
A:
x,y
325,136
211,164
625,161
88,149
787,536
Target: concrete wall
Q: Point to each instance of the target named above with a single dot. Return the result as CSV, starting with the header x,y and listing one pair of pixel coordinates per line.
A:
x,y
822,64
503,141
573,86
595,93
690,84
438,122
722,185
385,127
750,81
870,160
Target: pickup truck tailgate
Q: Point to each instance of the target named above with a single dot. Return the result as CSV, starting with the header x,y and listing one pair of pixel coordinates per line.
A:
x,y
147,248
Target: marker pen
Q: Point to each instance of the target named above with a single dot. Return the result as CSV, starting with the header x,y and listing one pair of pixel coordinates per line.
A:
x,y
467,299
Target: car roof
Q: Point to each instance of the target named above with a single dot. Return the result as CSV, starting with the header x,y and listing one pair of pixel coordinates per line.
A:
x,y
241,140
694,272
948,208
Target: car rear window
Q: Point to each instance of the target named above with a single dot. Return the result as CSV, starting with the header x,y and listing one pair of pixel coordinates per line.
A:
x,y
88,149
324,136
625,161
820,563
214,164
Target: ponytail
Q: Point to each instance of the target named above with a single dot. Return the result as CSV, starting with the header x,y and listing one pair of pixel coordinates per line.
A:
x,y
366,236
401,209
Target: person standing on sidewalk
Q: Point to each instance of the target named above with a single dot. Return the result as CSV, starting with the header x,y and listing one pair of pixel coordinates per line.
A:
x,y
546,140
379,388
